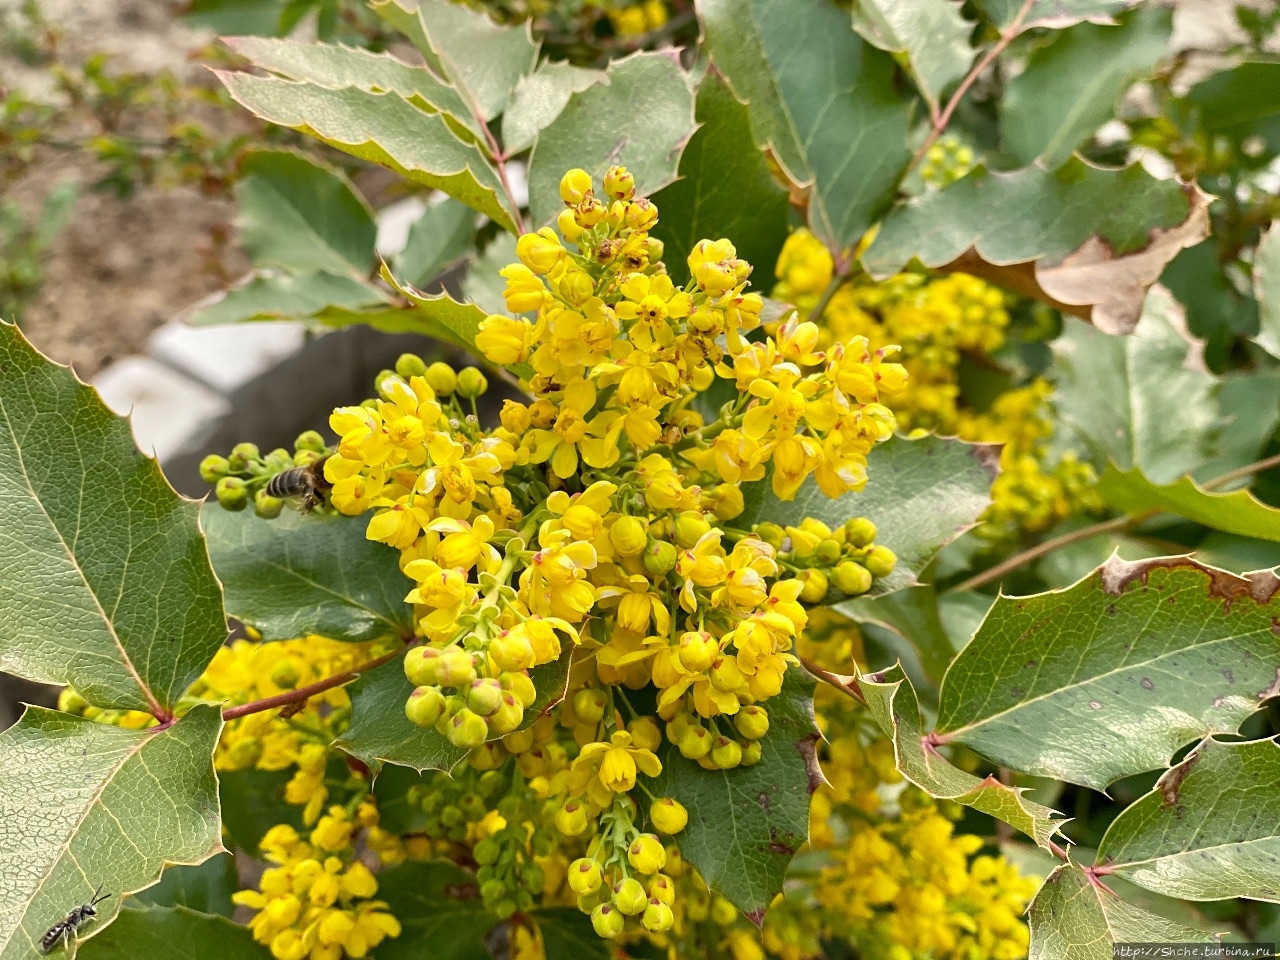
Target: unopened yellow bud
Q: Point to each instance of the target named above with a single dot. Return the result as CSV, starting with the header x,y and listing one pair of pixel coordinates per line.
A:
x,y
628,536
619,184
441,378
574,186
669,816
471,383
540,251
815,585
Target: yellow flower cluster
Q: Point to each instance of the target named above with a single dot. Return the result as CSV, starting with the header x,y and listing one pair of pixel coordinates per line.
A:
x,y
934,321
316,902
636,19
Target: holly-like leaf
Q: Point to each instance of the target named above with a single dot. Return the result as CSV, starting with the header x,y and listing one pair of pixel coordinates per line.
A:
x,y
1071,84
1237,512
252,803
437,239
912,614
639,116
383,128
157,933
107,582
1008,14
928,37
206,887
1074,918
1119,395
380,731
822,102
1109,677
440,913
746,824
301,574
539,98
83,804
1099,240
920,494
303,215
1208,830
892,703
1266,287
567,932
339,66
267,295
725,190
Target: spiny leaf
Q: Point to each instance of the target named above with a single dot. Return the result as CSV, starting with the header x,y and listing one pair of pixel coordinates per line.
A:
x,y
440,911
107,584
928,37
539,98
1208,830
913,614
892,702
252,803
1070,85
746,824
341,66
267,295
156,933
1109,677
1073,918
1100,237
206,887
303,215
725,190
639,116
381,127
83,804
1266,287
822,102
920,494
380,731
1052,13
437,240
303,574
1119,395
1237,512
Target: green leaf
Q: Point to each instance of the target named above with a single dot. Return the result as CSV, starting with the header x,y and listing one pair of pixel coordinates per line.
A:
x,y
437,239
83,804
440,910
391,788
340,66
1100,238
1217,312
483,284
207,887
1250,405
1208,830
1109,677
1052,13
913,615
380,731
1073,918
1238,512
746,824
252,803
233,17
1266,287
928,37
920,494
567,932
1071,84
383,128
639,116
539,98
892,703
1242,102
1145,400
157,933
302,215
822,102
268,295
94,537
307,573
725,190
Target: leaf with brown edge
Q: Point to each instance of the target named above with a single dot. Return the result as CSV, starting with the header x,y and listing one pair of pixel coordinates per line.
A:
x,y
1099,240
892,703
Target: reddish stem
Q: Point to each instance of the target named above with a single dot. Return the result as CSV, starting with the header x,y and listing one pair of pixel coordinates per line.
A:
x,y
306,693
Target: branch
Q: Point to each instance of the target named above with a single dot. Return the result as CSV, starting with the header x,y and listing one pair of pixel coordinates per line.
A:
x,y
838,277
1244,471
302,694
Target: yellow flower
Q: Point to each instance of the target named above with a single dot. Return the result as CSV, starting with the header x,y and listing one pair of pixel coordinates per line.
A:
x,y
618,761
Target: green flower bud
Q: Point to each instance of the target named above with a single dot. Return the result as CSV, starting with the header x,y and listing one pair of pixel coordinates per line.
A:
x,y
815,585
213,468
656,249
485,696
285,674
726,754
456,668
880,561
492,889
589,704
659,558
828,552
511,651
382,377
471,383
694,742
859,532
851,578
232,493
584,875
607,920
441,378
245,753
267,506
771,534
751,753
752,722
305,458
723,913
410,365
278,460
629,896
467,729
690,526
242,454
532,877
422,666
491,783
425,706
310,440
487,851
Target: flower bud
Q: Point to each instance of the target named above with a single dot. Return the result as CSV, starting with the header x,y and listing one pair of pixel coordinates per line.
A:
x,y
589,704
574,186
245,752
521,686
410,365
213,468
815,585
471,383
425,706
698,650
568,224
571,819
441,378
723,913
466,729
828,552
859,532
485,696
619,184
589,212
267,506
577,287
511,650
880,561
584,875
726,675
752,722
656,249
421,666
628,536
851,578
689,527
232,493
242,454
629,896
540,251
514,416
726,754
669,815
607,921
657,916
508,716
659,558
645,733
285,674
455,667
646,854
695,742
751,753
661,887
771,534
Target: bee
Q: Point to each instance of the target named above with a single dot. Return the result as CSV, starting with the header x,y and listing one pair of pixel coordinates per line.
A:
x,y
306,482
65,930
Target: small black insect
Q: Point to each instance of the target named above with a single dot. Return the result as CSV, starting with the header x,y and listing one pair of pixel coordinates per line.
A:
x,y
65,930
306,482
